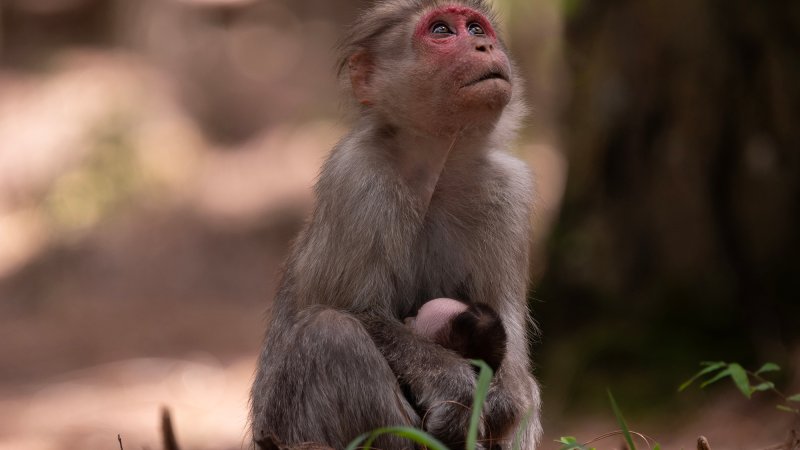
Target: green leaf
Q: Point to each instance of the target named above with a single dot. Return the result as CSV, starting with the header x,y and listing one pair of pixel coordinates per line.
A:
x,y
353,445
720,375
788,409
710,367
657,447
482,388
794,398
765,386
739,377
768,367
713,363
572,447
570,443
624,426
418,436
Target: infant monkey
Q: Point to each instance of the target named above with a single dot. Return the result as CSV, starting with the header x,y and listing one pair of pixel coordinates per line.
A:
x,y
473,331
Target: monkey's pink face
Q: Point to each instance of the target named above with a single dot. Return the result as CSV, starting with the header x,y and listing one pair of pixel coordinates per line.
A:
x,y
463,60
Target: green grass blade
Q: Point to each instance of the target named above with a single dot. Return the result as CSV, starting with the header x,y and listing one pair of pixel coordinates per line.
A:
x,y
720,375
621,420
710,367
353,445
482,388
794,398
413,434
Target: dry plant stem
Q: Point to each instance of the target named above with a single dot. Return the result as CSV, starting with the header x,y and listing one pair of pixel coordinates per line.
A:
x,y
167,432
773,388
119,438
793,443
777,447
702,443
647,440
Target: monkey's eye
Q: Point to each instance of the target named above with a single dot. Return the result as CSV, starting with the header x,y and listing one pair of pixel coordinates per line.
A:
x,y
440,28
475,29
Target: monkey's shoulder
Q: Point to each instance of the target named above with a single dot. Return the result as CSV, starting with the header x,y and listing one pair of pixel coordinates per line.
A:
x,y
508,180
511,168
350,173
342,163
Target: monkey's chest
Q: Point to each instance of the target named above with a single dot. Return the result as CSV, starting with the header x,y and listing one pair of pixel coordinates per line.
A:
x,y
447,256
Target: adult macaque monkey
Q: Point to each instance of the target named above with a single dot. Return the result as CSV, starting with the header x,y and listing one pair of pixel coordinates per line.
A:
x,y
419,201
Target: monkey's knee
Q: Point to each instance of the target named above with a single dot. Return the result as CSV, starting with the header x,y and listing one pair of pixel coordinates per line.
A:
x,y
329,386
332,322
342,335
338,343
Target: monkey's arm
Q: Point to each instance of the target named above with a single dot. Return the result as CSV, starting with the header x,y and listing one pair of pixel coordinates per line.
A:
x,y
355,253
441,382
514,392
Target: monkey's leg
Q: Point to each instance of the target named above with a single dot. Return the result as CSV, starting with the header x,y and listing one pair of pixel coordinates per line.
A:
x,y
322,380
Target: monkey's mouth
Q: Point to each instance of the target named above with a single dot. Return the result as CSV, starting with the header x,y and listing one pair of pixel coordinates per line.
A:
x,y
491,75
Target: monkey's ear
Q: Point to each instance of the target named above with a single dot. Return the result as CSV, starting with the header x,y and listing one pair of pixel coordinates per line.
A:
x,y
360,67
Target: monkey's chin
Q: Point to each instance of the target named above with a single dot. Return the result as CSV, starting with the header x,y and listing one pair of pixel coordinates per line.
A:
x,y
484,99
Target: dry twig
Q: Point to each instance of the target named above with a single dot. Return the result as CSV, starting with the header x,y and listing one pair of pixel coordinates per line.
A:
x,y
167,432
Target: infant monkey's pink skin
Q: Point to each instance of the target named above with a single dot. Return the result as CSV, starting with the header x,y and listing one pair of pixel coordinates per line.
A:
x,y
434,316
474,331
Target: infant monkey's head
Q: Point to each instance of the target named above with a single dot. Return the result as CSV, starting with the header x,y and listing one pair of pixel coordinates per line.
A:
x,y
474,331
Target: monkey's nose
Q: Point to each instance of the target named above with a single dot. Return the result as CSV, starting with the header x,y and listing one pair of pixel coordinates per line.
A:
x,y
484,47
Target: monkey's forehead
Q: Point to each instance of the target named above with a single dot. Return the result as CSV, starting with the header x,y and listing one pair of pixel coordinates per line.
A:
x,y
453,8
434,13
464,7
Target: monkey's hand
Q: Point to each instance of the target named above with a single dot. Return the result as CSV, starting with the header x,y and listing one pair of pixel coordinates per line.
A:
x,y
441,383
512,404
445,403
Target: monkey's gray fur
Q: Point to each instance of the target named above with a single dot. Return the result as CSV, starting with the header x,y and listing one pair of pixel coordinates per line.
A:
x,y
337,360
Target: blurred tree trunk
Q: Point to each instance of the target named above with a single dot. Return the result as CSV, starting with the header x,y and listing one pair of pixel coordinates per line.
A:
x,y
681,218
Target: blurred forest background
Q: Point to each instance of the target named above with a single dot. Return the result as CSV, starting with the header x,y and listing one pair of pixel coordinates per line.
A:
x,y
156,158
